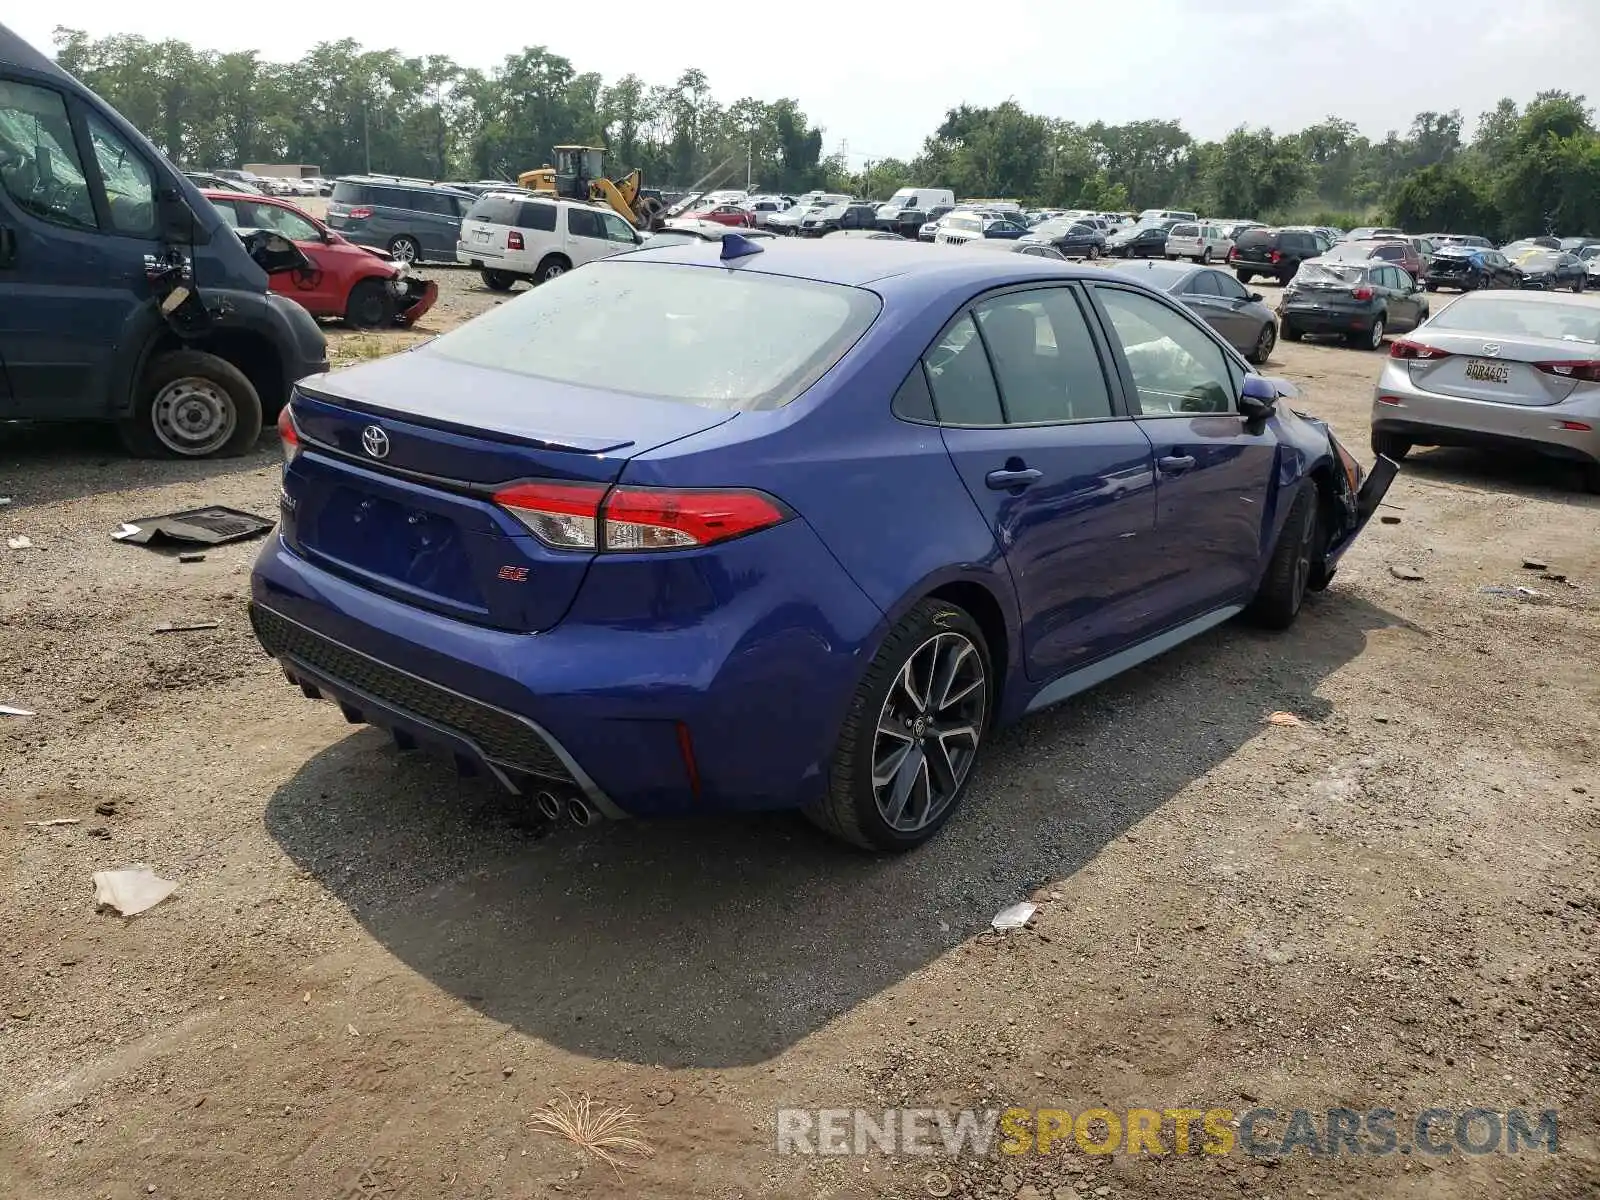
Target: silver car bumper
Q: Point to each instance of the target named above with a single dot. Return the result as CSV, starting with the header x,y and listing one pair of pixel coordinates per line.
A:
x,y
1569,430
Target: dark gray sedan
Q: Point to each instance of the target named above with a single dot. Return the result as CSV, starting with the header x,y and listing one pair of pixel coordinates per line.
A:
x,y
1240,317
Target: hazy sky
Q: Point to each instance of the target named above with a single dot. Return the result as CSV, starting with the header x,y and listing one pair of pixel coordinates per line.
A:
x,y
882,85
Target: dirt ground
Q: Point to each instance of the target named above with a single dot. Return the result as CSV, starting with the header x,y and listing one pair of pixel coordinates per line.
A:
x,y
373,973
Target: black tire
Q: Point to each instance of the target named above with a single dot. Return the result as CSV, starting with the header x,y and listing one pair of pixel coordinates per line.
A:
x,y
371,306
1390,445
1293,333
1205,257
1591,477
1432,287
1266,342
850,811
498,281
551,266
1370,338
179,391
1244,276
1578,284
1283,588
405,248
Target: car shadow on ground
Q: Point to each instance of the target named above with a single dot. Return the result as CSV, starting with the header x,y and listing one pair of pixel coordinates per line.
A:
x,y
713,943
1530,476
44,463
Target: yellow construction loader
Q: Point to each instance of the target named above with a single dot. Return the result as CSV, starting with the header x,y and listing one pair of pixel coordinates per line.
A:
x,y
579,174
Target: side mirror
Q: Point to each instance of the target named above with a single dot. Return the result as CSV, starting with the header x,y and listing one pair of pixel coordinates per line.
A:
x,y
1258,398
1257,297
176,222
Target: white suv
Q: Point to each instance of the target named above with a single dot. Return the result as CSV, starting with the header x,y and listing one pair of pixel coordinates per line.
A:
x,y
1199,240
512,235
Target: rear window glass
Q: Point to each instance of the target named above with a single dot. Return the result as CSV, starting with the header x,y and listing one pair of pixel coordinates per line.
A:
x,y
1255,237
1332,272
719,339
509,210
351,193
1509,317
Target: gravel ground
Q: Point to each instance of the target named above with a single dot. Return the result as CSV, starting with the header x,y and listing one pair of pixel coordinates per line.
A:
x,y
373,973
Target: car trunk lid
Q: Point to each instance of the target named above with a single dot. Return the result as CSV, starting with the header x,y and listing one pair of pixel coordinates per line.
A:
x,y
1502,370
400,460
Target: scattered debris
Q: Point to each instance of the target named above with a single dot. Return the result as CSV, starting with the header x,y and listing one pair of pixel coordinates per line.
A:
x,y
1014,917
665,1097
1534,564
9,710
4,500
937,1183
596,1128
53,822
1388,520
20,543
1519,593
101,832
193,556
106,808
213,525
1284,718
1405,573
185,627
1554,576
352,1031
131,890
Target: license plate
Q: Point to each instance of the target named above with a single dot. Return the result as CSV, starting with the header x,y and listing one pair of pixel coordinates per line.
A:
x,y
481,235
1481,371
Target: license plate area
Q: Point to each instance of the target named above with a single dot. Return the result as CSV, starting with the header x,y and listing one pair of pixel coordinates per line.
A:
x,y
1483,370
480,235
421,549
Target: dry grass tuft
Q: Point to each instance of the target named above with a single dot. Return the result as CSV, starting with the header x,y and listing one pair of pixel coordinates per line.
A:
x,y
599,1129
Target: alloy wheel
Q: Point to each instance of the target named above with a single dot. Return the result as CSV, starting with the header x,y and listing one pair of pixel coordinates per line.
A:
x,y
928,731
1377,332
193,416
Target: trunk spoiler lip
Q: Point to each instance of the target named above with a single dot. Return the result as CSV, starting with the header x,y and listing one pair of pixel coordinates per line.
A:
x,y
571,445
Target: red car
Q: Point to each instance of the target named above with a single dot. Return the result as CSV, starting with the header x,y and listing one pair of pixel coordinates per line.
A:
x,y
725,214
364,287
1393,250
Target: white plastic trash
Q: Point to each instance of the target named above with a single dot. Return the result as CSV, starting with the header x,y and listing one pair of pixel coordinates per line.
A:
x,y
1014,917
131,890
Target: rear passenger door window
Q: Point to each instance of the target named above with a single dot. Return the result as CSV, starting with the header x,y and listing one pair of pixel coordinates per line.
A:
x,y
1175,367
963,386
584,223
1044,359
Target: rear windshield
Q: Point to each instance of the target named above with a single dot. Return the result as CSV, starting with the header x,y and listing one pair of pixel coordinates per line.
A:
x,y
1327,271
508,210
720,339
1255,237
1510,317
349,193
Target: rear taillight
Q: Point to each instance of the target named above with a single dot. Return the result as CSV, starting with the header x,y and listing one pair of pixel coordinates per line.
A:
x,y
513,240
1361,293
582,516
1233,253
1581,371
289,434
1414,350
358,214
1276,256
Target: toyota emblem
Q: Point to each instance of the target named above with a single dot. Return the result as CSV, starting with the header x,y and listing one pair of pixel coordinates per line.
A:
x,y
1491,348
375,442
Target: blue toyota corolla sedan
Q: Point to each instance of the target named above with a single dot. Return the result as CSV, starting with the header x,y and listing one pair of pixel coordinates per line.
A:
x,y
740,525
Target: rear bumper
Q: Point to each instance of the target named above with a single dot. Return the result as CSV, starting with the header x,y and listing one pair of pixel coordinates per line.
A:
x,y
729,697
415,297
1432,420
1326,320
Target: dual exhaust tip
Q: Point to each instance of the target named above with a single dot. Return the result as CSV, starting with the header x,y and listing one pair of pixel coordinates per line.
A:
x,y
575,808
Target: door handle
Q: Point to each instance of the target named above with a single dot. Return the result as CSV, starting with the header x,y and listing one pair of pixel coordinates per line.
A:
x,y
1175,464
1002,480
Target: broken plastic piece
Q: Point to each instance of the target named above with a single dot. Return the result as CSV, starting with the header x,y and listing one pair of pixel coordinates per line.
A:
x,y
8,710
19,543
131,890
1014,917
209,526
1283,718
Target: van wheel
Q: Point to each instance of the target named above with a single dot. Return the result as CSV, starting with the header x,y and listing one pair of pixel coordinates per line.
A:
x,y
371,306
498,281
404,249
1283,588
191,404
550,267
911,734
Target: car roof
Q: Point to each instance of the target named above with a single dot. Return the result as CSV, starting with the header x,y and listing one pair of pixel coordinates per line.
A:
x,y
904,266
1590,299
402,181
